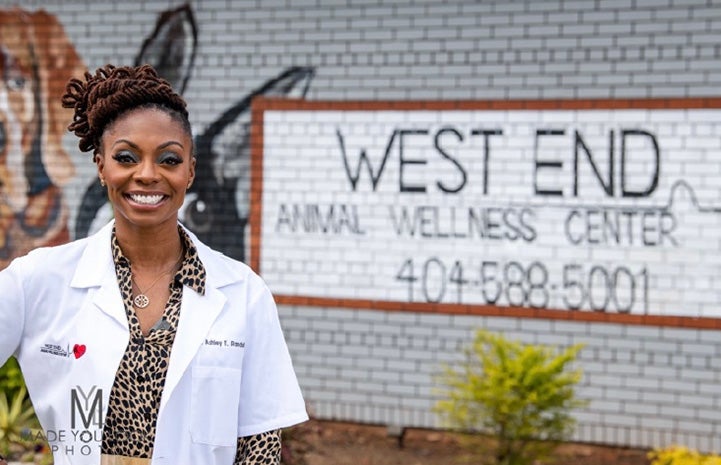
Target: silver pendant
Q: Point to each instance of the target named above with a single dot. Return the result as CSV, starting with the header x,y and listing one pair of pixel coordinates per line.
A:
x,y
141,301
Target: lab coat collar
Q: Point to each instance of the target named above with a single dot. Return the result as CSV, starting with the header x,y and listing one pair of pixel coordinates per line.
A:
x,y
96,263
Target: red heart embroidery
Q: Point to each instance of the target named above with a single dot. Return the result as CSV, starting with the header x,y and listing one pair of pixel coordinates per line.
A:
x,y
78,350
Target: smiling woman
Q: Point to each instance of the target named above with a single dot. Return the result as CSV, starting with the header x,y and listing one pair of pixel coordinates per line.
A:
x,y
143,297
145,161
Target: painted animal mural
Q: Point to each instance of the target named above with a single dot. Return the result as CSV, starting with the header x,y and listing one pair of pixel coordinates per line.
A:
x,y
36,60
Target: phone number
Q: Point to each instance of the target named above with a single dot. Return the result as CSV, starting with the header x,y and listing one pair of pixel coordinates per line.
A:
x,y
579,286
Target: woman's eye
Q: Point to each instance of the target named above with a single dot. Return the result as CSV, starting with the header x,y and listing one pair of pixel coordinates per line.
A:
x,y
125,157
170,159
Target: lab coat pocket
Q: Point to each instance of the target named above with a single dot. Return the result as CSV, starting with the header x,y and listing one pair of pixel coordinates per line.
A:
x,y
214,405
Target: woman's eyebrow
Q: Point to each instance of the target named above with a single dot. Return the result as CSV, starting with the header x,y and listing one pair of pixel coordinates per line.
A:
x,y
169,143
161,146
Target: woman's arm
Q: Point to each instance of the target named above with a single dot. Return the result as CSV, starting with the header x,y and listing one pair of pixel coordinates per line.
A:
x,y
12,311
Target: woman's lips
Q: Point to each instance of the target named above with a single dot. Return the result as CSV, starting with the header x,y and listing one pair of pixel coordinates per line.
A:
x,y
146,199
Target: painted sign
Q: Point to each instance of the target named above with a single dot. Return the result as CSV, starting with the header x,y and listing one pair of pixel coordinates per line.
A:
x,y
612,210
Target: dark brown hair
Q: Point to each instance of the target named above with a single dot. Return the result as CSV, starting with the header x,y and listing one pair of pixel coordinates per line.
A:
x,y
112,91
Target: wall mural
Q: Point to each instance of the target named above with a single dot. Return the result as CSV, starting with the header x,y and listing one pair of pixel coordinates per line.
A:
x,y
36,60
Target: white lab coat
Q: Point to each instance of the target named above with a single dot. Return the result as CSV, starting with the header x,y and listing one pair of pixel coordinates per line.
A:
x,y
230,373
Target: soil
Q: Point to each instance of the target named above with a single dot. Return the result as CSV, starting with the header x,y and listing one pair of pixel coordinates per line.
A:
x,y
335,443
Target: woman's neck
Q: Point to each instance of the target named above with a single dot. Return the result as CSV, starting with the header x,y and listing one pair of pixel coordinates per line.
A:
x,y
150,250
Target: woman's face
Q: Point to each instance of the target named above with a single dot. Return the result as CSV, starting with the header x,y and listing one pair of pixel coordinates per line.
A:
x,y
147,164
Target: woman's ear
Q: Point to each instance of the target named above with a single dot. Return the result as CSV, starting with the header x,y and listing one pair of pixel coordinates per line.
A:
x,y
191,176
99,159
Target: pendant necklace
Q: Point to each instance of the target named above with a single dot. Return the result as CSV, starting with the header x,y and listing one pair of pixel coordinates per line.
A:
x,y
141,300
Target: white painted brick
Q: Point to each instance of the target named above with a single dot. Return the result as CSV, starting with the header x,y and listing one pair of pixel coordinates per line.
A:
x,y
677,412
698,349
416,403
620,420
661,372
607,380
641,409
401,390
656,423
355,351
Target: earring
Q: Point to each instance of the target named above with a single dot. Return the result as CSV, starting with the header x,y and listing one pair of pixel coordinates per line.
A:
x,y
102,182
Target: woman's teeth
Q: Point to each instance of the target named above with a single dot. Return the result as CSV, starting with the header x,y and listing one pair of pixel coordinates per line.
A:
x,y
146,199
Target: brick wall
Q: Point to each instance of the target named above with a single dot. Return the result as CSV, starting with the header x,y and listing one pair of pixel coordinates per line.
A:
x,y
648,374
649,385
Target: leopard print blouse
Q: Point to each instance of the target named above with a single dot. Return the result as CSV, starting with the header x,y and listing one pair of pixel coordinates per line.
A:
x,y
129,428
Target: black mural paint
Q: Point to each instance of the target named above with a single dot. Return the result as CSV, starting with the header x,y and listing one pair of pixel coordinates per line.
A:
x,y
319,219
492,223
403,161
444,154
406,161
657,158
538,164
620,227
579,143
579,146
363,160
486,133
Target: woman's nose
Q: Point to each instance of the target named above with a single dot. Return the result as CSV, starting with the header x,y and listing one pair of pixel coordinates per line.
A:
x,y
147,171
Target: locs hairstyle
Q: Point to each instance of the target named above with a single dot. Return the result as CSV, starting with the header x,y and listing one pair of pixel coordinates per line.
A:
x,y
112,91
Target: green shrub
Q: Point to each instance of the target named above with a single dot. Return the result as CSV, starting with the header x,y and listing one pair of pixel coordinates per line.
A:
x,y
679,455
520,394
17,418
19,427
11,379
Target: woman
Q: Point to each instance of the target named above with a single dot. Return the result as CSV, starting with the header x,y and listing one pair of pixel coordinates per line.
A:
x,y
140,344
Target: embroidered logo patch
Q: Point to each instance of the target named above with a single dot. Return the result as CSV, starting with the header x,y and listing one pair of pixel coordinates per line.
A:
x,y
78,350
54,349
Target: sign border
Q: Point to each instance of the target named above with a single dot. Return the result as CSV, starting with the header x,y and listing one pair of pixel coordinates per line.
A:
x,y
260,105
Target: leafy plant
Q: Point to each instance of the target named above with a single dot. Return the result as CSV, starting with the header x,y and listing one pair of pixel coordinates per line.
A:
x,y
17,419
11,378
679,455
520,394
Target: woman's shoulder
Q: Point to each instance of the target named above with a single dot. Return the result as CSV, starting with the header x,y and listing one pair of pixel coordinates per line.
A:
x,y
218,263
51,258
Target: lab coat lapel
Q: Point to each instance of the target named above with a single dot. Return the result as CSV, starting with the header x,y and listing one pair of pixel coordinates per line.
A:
x,y
197,314
109,300
96,269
